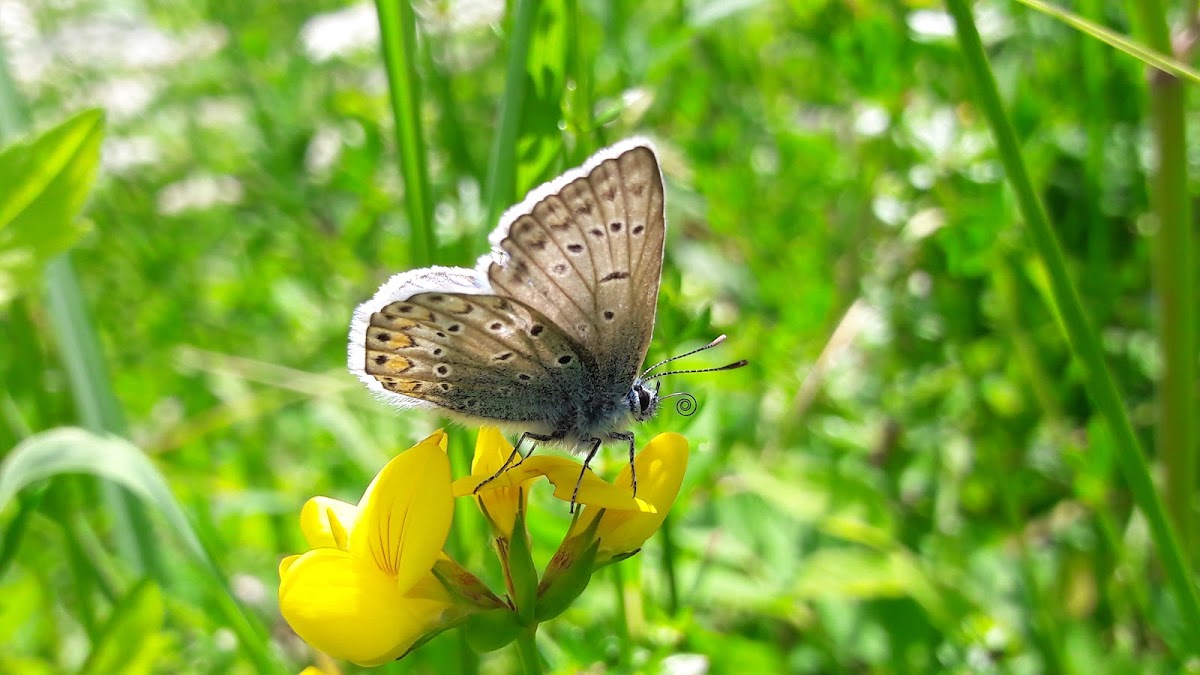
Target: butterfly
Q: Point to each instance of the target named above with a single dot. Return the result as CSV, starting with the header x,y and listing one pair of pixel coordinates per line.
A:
x,y
546,336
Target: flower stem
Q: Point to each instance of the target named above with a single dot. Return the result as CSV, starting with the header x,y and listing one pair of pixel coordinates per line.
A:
x,y
531,660
622,616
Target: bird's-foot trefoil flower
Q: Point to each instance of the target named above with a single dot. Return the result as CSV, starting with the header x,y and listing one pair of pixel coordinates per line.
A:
x,y
603,535
377,584
367,590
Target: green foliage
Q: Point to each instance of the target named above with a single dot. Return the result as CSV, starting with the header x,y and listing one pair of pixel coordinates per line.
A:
x,y
911,476
69,451
136,623
44,182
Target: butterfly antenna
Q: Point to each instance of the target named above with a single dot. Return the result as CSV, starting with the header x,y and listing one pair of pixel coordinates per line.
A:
x,y
732,366
714,343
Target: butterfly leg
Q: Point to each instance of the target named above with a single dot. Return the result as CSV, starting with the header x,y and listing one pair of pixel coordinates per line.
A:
x,y
586,460
515,452
628,438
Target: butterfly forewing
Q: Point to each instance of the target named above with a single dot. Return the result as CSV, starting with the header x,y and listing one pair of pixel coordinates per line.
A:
x,y
587,251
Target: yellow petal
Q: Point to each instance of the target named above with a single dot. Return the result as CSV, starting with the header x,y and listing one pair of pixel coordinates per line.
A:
x,y
593,490
563,473
660,469
405,519
500,504
286,563
491,450
438,438
354,611
326,522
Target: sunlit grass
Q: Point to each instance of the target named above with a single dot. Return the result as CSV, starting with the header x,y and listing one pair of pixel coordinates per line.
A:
x,y
918,472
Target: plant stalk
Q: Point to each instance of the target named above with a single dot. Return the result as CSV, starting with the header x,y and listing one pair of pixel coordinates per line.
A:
x,y
527,652
502,162
1085,343
1174,280
398,38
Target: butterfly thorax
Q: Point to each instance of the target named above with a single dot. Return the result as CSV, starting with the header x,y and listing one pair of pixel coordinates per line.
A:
x,y
599,419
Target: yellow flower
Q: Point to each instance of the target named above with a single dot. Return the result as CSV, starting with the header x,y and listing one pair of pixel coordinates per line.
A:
x,y
500,504
562,472
366,591
660,468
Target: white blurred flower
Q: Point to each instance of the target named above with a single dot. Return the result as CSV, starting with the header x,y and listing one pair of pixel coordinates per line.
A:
x,y
120,154
685,664
199,192
341,33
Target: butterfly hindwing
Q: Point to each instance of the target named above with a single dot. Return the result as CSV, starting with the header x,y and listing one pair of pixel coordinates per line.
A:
x,y
477,355
586,249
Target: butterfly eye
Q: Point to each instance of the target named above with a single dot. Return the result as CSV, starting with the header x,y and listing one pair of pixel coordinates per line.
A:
x,y
643,399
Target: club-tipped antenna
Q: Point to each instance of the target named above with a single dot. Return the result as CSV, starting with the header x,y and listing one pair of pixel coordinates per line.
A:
x,y
732,366
714,343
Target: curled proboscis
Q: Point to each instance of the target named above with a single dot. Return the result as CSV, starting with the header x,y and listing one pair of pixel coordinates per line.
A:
x,y
686,405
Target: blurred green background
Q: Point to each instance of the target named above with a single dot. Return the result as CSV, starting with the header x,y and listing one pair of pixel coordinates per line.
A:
x,y
909,477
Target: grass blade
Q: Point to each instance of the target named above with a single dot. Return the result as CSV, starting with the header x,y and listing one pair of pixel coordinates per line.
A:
x,y
1155,58
97,405
502,162
1084,342
67,451
398,37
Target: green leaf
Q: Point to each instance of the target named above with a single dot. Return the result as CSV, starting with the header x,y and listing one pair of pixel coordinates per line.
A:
x,y
70,450
133,640
865,574
1083,337
43,185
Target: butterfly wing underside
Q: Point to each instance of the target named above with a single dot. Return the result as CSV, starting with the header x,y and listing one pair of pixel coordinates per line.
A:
x,y
586,249
438,336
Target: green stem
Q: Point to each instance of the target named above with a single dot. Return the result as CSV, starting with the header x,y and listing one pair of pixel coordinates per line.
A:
x,y
1173,280
1047,630
1099,382
667,537
1024,346
501,178
622,617
527,652
398,36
